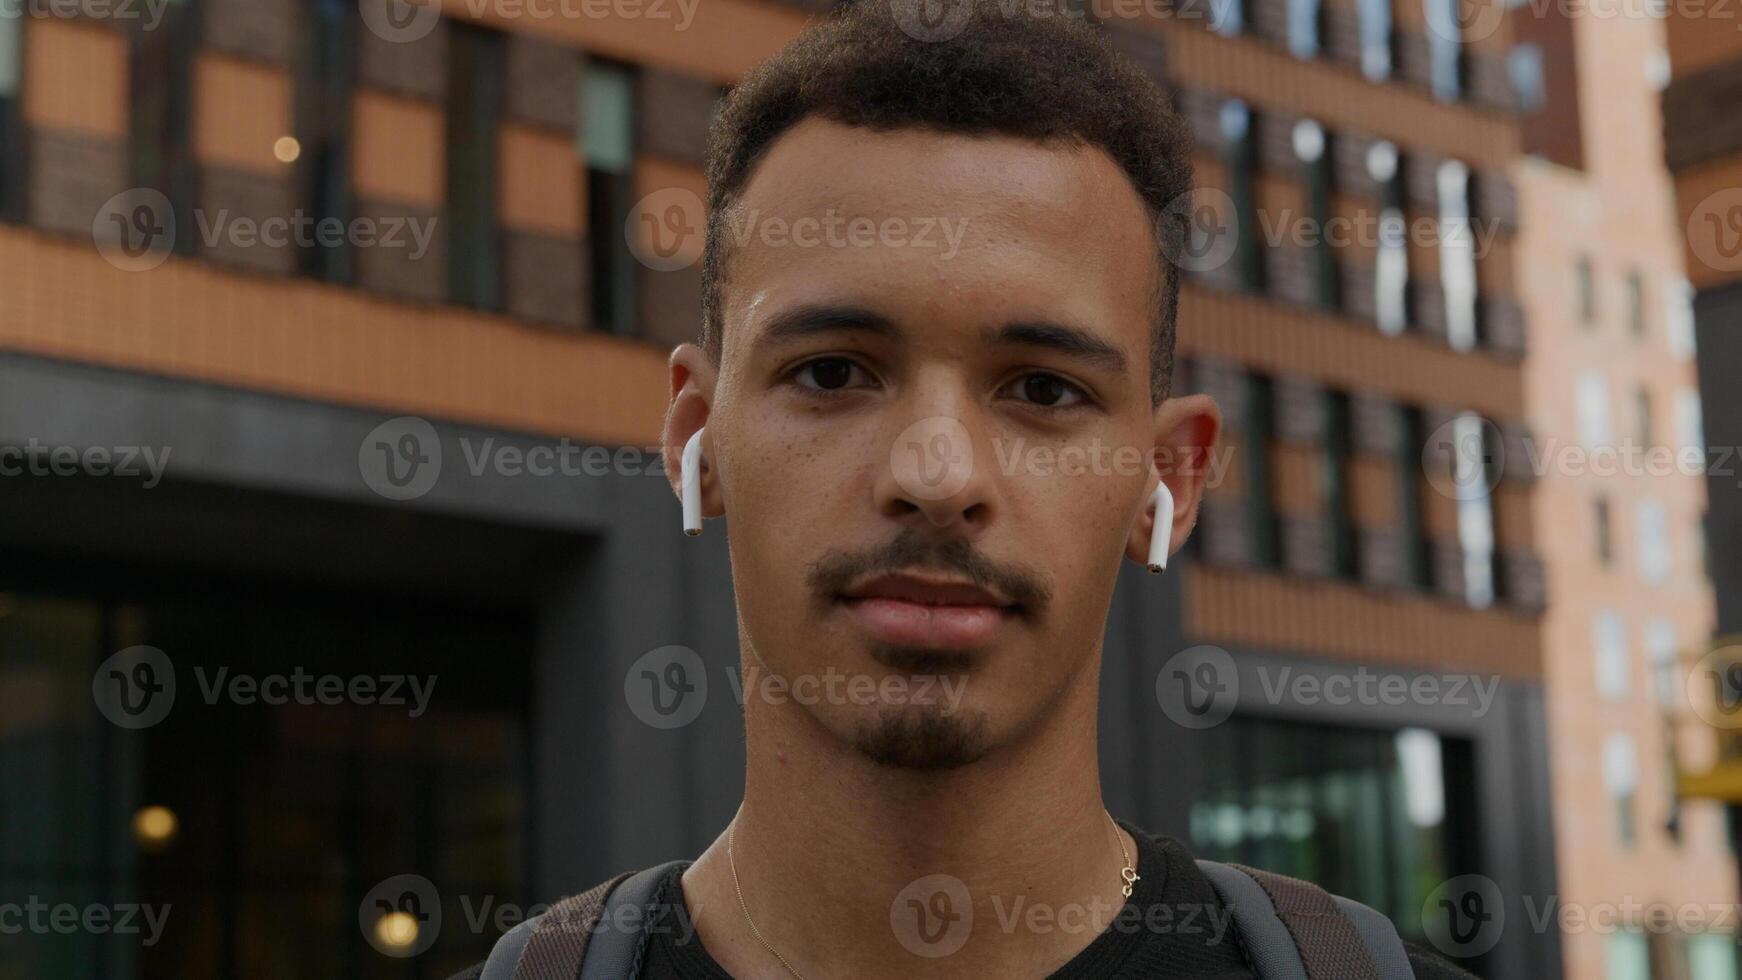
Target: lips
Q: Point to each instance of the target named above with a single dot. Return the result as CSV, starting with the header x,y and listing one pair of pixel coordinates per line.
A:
x,y
916,611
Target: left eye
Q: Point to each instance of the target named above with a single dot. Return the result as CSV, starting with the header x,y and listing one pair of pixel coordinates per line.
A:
x,y
1046,391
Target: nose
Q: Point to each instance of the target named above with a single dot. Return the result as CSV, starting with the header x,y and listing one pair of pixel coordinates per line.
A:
x,y
939,475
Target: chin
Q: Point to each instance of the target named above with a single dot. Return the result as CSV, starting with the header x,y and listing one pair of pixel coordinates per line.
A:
x,y
923,740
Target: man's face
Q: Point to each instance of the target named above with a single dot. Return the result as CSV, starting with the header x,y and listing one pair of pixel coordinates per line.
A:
x,y
932,426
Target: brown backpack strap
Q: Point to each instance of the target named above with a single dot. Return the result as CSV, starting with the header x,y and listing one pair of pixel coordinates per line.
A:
x,y
1330,946
559,942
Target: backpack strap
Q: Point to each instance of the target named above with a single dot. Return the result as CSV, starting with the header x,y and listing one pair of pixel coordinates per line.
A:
x,y
590,936
1295,930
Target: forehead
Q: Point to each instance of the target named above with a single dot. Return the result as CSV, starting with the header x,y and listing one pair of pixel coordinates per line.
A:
x,y
926,224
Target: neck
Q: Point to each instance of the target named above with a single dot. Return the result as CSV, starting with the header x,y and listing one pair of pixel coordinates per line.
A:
x,y
829,847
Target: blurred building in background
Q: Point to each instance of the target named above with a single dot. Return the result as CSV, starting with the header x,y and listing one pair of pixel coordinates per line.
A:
x,y
1613,401
425,447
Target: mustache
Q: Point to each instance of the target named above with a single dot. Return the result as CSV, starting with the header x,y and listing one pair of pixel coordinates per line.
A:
x,y
836,570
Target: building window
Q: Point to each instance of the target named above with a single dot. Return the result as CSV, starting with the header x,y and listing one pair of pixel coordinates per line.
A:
x,y
1621,783
325,75
1412,520
1236,121
1376,39
12,153
1391,264
1315,164
475,91
1591,395
1690,431
1628,955
1653,529
1636,303
1679,319
1609,646
160,115
1585,283
1524,69
1472,458
1261,508
1303,28
608,145
1227,17
1642,416
1712,954
1660,650
1379,816
1334,484
1457,255
1445,47
1605,531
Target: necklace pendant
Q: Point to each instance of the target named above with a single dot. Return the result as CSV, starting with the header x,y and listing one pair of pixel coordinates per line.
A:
x,y
1130,876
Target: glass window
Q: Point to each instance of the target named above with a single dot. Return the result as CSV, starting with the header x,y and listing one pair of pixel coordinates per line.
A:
x,y
1585,282
1661,650
1609,641
1642,416
1457,255
1371,814
1236,120
1472,456
11,111
1303,28
1446,48
1412,520
1621,783
1334,476
1679,319
1690,431
1227,17
1261,509
1524,68
1628,955
1391,269
1376,39
1712,954
1592,394
1654,549
160,125
1605,530
475,91
1315,163
321,150
608,146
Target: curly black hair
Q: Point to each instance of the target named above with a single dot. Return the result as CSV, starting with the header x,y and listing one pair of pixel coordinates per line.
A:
x,y
989,67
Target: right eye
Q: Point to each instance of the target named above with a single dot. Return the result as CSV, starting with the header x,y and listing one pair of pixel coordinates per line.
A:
x,y
827,373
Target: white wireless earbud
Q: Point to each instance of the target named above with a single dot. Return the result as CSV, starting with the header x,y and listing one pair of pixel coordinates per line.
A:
x,y
1162,501
690,479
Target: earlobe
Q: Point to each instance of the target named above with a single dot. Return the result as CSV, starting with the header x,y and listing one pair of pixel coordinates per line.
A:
x,y
1161,531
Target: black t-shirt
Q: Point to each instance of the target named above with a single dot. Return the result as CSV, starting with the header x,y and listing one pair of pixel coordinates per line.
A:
x,y
1172,926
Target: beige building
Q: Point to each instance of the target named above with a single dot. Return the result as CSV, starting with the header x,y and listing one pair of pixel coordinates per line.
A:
x,y
1611,395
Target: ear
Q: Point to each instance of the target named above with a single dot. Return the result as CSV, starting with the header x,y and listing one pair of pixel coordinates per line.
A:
x,y
693,375
1185,440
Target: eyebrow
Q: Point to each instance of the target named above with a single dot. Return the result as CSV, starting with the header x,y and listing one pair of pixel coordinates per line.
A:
x,y
1073,342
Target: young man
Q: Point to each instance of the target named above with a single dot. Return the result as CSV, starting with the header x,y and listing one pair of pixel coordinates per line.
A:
x,y
877,405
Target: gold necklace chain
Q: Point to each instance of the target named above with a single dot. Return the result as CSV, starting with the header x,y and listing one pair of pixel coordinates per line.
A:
x,y
1128,876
